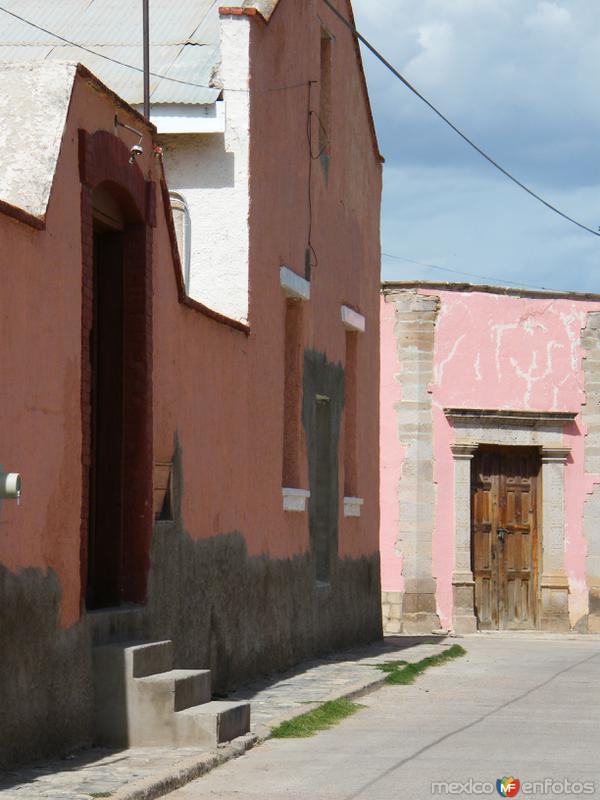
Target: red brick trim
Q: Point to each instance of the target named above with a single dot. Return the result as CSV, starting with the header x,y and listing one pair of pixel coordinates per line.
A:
x,y
22,216
237,11
104,159
87,313
182,295
115,99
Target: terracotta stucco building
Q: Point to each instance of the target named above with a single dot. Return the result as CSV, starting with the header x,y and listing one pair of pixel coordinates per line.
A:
x,y
490,459
188,475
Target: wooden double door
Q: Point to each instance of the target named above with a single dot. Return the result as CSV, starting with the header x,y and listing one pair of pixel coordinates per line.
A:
x,y
504,545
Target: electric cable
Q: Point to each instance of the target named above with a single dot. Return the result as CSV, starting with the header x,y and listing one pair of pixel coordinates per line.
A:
x,y
463,136
469,274
140,69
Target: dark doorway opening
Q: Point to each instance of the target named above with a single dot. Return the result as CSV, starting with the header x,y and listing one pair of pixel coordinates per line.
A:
x,y
117,223
504,547
107,353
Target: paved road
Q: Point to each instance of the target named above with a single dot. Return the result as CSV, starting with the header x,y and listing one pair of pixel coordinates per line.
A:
x,y
520,706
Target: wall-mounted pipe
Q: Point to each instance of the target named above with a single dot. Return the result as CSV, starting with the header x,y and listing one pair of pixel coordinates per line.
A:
x,y
10,486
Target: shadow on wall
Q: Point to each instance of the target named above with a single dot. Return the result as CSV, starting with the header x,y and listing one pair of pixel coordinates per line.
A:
x,y
247,616
45,671
322,408
198,161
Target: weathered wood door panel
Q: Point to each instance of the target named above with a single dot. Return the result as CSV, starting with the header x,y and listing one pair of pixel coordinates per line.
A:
x,y
504,537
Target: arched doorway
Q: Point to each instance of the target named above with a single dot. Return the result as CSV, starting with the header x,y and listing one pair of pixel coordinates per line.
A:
x,y
107,354
117,220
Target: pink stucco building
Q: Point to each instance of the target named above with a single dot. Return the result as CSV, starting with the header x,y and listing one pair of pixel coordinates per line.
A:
x,y
198,476
490,458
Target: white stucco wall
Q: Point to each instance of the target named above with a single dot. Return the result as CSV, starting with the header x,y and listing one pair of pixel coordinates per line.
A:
x,y
211,172
34,100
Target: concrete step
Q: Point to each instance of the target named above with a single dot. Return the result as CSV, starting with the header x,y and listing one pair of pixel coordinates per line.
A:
x,y
135,659
116,668
213,723
151,658
141,701
177,689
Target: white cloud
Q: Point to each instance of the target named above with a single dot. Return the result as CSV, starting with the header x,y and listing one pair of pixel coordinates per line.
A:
x,y
519,77
549,18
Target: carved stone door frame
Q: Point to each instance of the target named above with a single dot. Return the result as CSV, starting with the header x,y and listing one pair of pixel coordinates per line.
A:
x,y
543,429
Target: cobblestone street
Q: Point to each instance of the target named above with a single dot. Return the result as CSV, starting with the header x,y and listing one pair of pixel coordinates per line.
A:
x,y
101,772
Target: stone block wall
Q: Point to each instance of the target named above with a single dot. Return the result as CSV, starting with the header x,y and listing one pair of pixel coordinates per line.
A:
x,y
414,330
590,342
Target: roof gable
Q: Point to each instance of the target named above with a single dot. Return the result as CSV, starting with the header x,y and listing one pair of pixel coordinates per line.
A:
x,y
34,103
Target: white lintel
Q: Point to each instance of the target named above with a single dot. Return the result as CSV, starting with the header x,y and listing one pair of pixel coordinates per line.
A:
x,y
352,506
177,118
294,499
352,320
293,285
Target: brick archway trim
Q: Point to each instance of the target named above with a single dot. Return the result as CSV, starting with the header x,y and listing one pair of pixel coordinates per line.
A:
x,y
104,159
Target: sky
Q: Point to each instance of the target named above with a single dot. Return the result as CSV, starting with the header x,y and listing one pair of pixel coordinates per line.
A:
x,y
522,79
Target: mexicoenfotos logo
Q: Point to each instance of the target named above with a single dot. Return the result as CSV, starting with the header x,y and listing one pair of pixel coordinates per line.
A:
x,y
508,786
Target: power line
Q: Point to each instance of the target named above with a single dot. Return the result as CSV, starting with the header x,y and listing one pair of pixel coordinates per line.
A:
x,y
139,69
463,136
468,274
100,55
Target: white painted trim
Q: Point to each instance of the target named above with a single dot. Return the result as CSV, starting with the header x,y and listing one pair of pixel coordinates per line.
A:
x,y
352,506
174,118
293,285
352,320
294,499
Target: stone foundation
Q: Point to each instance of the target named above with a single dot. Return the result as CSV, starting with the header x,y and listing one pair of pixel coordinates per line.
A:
x,y
391,611
463,595
419,606
554,603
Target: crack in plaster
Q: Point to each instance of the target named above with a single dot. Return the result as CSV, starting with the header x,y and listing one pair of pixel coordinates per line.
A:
x,y
438,370
477,366
531,379
499,331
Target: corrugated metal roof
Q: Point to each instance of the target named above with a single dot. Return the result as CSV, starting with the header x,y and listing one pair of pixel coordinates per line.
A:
x,y
184,43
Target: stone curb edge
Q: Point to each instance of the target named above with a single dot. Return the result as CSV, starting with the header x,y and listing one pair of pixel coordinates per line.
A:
x,y
350,693
185,771
188,770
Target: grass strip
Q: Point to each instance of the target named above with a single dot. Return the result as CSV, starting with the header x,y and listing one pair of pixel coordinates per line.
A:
x,y
399,672
319,719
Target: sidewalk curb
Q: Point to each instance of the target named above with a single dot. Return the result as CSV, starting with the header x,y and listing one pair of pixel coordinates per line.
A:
x,y
185,771
190,769
349,693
